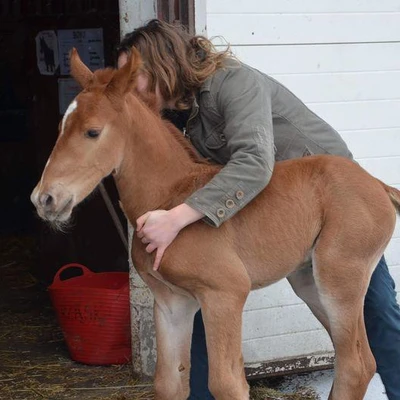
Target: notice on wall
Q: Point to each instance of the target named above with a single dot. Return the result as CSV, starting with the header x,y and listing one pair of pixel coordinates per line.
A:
x,y
88,42
68,89
47,52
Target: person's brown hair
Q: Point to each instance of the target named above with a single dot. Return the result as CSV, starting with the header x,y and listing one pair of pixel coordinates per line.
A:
x,y
175,60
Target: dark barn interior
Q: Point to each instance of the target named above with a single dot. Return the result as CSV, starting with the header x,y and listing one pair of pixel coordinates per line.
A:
x,y
29,118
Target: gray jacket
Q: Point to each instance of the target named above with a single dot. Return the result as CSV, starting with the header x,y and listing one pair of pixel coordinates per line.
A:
x,y
246,120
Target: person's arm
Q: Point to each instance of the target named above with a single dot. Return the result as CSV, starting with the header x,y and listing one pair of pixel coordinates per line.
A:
x,y
243,98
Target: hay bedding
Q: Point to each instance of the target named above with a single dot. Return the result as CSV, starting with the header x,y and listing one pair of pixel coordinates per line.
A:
x,y
263,393
34,362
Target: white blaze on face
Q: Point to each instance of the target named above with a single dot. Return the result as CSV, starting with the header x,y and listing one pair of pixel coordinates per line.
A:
x,y
72,107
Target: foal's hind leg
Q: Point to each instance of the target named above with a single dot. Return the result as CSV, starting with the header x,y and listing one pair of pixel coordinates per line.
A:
x,y
342,285
303,284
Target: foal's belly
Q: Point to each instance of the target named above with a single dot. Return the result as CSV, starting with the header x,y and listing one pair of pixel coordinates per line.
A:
x,y
275,268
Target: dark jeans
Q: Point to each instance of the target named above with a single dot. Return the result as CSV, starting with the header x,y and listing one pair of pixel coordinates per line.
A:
x,y
382,320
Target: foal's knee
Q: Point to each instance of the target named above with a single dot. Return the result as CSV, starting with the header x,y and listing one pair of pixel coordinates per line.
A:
x,y
167,390
229,387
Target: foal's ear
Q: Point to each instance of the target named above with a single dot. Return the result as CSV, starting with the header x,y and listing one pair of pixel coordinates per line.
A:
x,y
124,79
79,71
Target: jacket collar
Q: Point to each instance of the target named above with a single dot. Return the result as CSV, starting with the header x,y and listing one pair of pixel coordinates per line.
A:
x,y
195,109
205,87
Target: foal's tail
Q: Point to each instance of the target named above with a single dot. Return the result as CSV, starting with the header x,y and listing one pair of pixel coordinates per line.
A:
x,y
394,195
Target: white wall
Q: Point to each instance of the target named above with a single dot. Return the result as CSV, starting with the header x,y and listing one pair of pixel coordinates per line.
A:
x,y
343,59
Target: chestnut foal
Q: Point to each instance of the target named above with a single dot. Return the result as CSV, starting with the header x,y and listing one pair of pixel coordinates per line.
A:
x,y
323,211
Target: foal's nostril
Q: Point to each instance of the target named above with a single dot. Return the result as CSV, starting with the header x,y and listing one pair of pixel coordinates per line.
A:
x,y
46,200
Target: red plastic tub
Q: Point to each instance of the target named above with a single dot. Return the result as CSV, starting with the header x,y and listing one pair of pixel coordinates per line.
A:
x,y
93,312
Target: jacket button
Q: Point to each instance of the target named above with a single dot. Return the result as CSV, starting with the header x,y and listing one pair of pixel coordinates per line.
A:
x,y
220,213
239,194
230,203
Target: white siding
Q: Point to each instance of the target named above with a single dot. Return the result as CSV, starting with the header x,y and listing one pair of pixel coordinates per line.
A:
x,y
342,58
300,7
314,59
306,28
344,86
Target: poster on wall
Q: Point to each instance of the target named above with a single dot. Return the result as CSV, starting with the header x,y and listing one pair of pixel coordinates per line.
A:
x,y
88,42
68,89
47,52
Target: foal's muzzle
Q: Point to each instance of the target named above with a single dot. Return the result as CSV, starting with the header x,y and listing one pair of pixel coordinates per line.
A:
x,y
53,205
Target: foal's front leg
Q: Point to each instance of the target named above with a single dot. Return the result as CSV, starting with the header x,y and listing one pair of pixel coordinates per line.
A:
x,y
173,315
222,315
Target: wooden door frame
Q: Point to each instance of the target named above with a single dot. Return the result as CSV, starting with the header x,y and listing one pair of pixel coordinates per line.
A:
x,y
134,13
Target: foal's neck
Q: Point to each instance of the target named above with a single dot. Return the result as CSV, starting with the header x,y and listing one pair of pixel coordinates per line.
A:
x,y
157,172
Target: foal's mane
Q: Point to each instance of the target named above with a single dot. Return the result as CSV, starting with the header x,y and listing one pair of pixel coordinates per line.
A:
x,y
178,135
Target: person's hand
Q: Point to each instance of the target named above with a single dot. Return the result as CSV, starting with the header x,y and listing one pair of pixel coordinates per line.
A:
x,y
157,229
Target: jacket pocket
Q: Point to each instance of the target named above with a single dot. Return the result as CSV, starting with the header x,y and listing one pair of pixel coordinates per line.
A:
x,y
216,139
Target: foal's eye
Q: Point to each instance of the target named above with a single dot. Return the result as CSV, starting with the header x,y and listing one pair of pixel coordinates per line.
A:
x,y
92,134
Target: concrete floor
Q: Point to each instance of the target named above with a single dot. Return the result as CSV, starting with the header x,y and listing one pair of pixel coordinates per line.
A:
x,y
321,381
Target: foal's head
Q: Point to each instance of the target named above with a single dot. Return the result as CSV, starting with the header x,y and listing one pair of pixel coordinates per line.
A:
x,y
89,146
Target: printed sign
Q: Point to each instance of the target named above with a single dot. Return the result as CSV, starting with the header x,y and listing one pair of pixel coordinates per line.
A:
x,y
88,42
47,52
